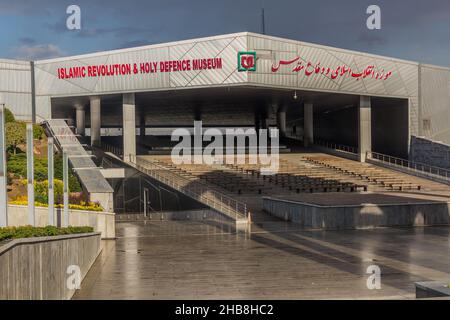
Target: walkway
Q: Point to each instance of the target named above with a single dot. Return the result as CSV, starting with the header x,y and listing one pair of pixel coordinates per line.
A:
x,y
193,260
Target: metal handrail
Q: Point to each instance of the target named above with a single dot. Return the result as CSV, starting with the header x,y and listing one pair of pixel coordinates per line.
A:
x,y
410,165
112,149
191,188
196,190
336,146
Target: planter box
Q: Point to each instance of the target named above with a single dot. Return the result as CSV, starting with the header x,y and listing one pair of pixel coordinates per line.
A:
x,y
359,216
36,268
103,222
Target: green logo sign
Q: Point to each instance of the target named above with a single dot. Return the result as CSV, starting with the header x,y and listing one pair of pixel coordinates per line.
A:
x,y
246,61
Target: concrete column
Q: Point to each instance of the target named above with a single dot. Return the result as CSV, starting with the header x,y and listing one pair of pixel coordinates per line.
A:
x,y
129,127
281,122
95,121
80,120
308,125
364,127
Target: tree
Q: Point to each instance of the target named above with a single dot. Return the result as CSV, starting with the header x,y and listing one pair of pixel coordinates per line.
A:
x,y
15,135
9,116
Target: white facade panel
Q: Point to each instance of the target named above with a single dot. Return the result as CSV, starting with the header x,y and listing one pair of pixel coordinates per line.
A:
x,y
435,96
18,103
15,87
398,84
222,47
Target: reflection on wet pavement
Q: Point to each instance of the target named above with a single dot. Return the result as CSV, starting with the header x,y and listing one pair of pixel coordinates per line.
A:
x,y
275,260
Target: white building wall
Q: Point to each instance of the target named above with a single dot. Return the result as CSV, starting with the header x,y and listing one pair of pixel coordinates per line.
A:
x,y
15,87
225,47
435,98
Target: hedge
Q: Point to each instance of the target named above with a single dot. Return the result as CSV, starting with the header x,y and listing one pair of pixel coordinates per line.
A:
x,y
30,232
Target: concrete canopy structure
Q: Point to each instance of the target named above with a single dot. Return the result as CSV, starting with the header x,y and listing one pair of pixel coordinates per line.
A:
x,y
269,80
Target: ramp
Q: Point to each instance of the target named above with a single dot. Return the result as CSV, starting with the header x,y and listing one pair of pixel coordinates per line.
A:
x,y
89,174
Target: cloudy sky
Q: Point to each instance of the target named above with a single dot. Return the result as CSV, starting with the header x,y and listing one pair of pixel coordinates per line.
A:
x,y
411,29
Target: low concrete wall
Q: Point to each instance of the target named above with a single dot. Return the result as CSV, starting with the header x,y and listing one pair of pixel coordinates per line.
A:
x,y
337,153
193,215
432,289
103,222
433,153
106,200
359,216
36,268
206,216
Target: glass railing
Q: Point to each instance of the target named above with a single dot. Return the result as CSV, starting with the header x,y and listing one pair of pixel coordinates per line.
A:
x,y
194,189
336,146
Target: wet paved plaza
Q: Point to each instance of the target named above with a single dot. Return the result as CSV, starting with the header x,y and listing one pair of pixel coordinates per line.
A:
x,y
276,260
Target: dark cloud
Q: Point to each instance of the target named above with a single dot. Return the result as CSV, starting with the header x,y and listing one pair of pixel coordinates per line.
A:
x,y
134,43
37,52
119,32
27,41
372,38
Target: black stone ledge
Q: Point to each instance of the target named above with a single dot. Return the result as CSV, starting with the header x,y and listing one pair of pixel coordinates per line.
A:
x,y
432,289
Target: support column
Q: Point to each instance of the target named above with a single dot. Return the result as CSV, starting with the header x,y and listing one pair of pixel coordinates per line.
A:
x,y
364,128
129,127
308,125
281,122
95,121
80,120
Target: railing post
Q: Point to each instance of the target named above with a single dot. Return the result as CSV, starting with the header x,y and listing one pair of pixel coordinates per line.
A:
x,y
51,199
3,171
65,219
30,175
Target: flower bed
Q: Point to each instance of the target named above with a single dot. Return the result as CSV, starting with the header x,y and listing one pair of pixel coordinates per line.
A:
x,y
87,206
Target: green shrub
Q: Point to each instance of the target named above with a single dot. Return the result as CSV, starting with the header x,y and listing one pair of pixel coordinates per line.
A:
x,y
29,231
38,132
41,191
74,184
9,116
17,165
